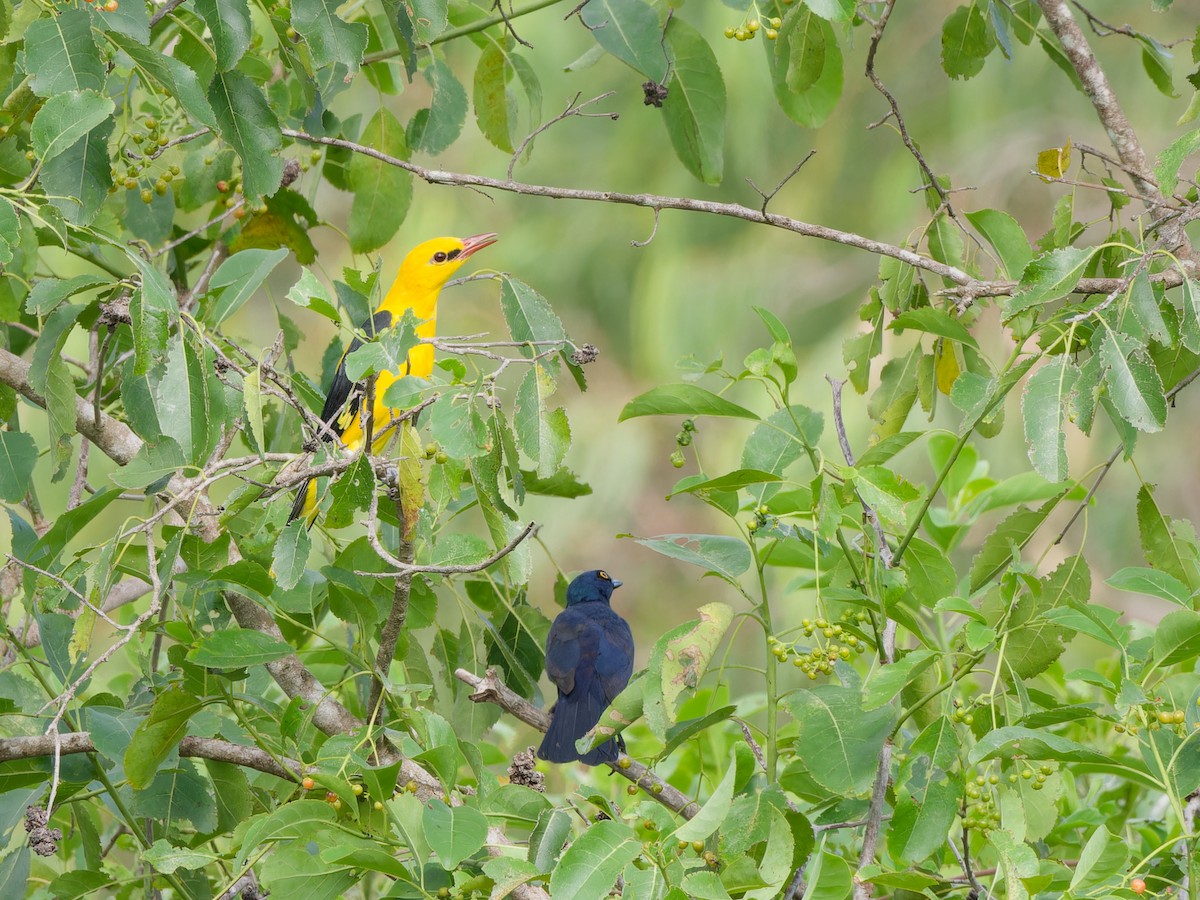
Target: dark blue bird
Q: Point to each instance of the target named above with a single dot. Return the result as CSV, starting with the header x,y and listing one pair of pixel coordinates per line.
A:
x,y
589,657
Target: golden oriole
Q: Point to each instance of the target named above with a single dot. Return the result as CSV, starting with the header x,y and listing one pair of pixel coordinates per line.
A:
x,y
417,286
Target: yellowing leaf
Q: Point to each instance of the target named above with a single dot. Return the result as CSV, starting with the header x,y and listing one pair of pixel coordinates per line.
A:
x,y
1055,162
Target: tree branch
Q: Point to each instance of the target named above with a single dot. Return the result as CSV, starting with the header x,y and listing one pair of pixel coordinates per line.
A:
x,y
198,747
965,285
1112,116
490,689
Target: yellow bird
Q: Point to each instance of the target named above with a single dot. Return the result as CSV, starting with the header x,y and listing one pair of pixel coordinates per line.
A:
x,y
417,286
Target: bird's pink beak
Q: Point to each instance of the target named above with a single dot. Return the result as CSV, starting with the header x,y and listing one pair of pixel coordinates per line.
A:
x,y
477,242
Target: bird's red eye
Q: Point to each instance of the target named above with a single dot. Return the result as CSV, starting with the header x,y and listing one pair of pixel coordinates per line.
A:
x,y
439,257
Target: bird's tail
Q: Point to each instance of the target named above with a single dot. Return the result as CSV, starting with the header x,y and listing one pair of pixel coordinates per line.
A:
x,y
573,716
305,504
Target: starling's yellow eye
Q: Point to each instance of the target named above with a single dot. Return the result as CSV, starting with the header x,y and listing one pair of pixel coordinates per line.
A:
x,y
604,576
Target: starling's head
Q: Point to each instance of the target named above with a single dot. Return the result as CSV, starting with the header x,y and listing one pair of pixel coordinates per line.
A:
x,y
594,585
430,265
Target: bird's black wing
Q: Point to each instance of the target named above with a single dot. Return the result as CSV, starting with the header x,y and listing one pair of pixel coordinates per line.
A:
x,y
614,661
564,648
344,397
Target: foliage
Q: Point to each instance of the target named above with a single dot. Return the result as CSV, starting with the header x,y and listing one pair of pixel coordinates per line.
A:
x,y
206,698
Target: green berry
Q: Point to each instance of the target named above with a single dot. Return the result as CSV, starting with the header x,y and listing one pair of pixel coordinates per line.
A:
x,y
147,195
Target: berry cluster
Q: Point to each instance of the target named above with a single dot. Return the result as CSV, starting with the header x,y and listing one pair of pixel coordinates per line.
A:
x,y
834,641
710,858
981,813
1037,780
683,439
747,30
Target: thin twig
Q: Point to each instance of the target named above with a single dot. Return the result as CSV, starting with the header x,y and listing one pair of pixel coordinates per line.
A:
x,y
574,108
767,197
404,570
182,139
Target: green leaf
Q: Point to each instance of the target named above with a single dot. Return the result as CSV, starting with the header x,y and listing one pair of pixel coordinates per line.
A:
x,y
177,78
543,434
1145,306
682,400
837,740
630,31
1049,277
1166,170
805,64
495,104
1044,409
330,37
834,10
10,235
1104,859
1133,382
453,832
731,481
1015,741
1152,583
1156,60
60,54
77,179
229,23
890,404
388,352
727,557
885,492
434,130
1010,535
167,858
291,553
591,865
252,403
237,279
1177,638
350,493
715,810
246,122
967,39
382,192
1163,548
694,110
529,317
237,648
1006,237
18,456
65,119
776,444
678,662
936,322
156,461
159,734
885,682
928,795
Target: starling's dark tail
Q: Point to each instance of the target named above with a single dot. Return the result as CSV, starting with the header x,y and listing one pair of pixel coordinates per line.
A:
x,y
572,718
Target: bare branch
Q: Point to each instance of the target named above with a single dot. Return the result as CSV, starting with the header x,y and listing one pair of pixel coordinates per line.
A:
x,y
490,689
966,285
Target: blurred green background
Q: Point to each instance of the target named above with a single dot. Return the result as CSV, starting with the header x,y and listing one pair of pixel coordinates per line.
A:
x,y
690,291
